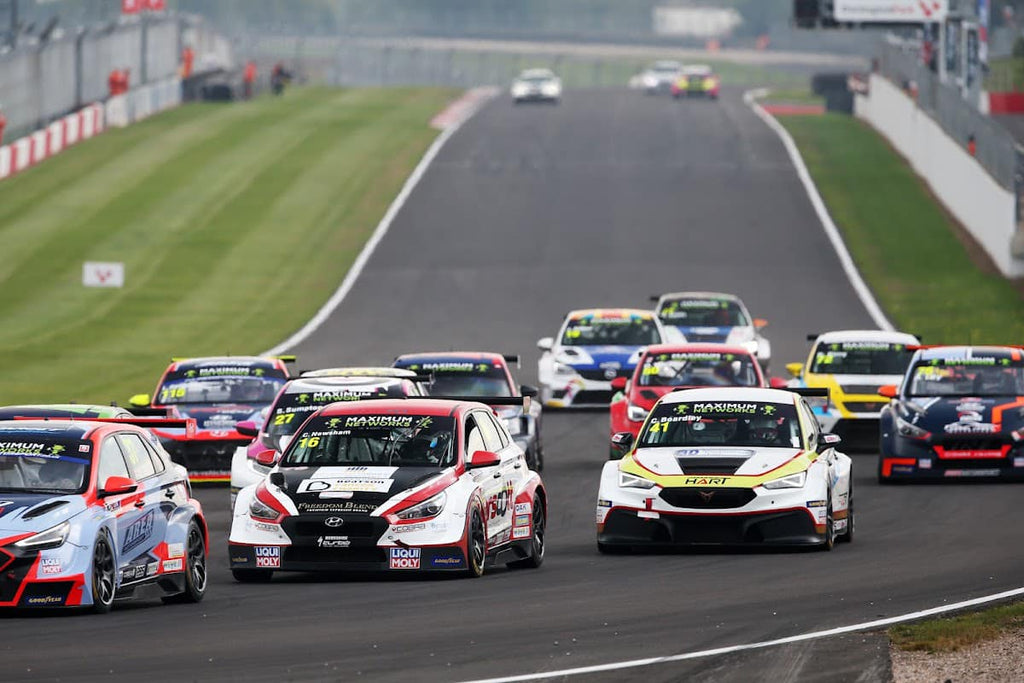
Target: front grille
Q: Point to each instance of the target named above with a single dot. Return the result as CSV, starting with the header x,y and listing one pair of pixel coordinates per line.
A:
x,y
694,338
592,397
315,528
309,554
860,388
706,498
974,443
710,465
863,406
599,376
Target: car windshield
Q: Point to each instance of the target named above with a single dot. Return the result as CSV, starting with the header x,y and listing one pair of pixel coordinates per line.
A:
x,y
33,461
619,331
861,358
723,423
698,369
374,440
293,407
703,312
978,376
219,390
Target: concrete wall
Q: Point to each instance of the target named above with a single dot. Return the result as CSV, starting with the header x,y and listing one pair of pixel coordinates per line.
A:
x,y
985,209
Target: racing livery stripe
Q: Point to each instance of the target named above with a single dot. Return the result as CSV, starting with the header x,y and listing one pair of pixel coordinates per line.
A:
x,y
792,466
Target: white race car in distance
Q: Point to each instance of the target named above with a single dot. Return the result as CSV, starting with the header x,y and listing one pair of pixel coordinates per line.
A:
x,y
537,85
714,318
594,346
659,76
727,466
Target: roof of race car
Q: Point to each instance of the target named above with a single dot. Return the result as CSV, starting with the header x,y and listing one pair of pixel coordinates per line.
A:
x,y
718,296
611,313
379,372
969,352
55,410
754,394
398,406
208,361
309,384
705,347
840,336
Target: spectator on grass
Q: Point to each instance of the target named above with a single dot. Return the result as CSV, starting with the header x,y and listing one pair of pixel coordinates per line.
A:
x,y
3,124
249,77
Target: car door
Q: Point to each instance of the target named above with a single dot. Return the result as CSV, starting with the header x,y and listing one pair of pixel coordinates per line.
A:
x,y
125,509
150,528
501,511
487,478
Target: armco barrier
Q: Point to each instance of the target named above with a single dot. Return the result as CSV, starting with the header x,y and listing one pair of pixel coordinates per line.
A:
x,y
984,207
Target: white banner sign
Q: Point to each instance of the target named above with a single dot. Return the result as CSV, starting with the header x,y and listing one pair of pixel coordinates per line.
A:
x,y
96,274
898,11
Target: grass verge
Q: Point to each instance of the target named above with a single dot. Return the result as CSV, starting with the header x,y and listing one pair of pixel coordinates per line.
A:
x,y
905,245
959,632
793,96
235,223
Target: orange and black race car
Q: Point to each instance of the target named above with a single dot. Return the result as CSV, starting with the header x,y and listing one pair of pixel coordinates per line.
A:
x,y
218,393
958,414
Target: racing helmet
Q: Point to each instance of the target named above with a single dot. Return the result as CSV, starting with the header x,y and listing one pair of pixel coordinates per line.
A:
x,y
763,431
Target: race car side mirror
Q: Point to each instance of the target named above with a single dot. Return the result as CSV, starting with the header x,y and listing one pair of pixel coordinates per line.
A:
x,y
528,390
795,369
778,383
828,441
889,391
482,459
760,323
546,343
116,486
623,440
139,401
619,384
247,428
267,458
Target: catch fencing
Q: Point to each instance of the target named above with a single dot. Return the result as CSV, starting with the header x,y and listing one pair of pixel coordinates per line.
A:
x,y
43,81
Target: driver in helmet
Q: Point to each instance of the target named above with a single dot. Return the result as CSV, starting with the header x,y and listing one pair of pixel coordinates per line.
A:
x,y
763,431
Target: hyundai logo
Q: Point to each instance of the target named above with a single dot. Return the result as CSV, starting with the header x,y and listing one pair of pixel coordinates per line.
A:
x,y
334,522
610,374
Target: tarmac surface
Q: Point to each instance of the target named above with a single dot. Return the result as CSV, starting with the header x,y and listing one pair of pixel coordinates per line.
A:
x,y
530,211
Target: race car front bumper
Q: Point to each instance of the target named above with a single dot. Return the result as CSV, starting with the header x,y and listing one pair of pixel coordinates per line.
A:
x,y
577,392
633,527
911,459
354,558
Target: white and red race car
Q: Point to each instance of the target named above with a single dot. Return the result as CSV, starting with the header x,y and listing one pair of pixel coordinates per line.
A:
x,y
393,484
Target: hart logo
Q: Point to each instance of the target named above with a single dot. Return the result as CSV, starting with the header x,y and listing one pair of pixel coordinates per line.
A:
x,y
404,558
268,556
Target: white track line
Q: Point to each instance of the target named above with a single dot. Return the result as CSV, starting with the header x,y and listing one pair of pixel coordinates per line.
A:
x,y
378,234
814,635
834,236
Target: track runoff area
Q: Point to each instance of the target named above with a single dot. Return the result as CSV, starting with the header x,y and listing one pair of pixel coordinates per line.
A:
x,y
522,214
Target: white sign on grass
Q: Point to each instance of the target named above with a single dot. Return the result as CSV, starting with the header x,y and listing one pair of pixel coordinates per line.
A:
x,y
97,274
890,11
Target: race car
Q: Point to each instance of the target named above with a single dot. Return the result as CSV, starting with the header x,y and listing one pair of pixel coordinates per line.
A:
x,y
715,318
594,347
659,76
668,367
727,466
92,512
536,85
405,485
66,410
297,400
468,375
853,365
218,393
959,413
697,80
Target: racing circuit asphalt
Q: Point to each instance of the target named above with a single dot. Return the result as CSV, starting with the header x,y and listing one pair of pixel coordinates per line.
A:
x,y
527,212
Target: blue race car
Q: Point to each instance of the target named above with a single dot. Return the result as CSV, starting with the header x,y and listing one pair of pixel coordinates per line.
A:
x,y
958,414
93,511
714,318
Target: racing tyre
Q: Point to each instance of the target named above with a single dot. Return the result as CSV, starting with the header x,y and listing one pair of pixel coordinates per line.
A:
x,y
830,528
476,545
103,574
847,536
252,575
195,567
536,557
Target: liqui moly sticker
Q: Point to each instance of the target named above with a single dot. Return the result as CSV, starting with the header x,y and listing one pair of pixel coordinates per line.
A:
x,y
267,556
404,558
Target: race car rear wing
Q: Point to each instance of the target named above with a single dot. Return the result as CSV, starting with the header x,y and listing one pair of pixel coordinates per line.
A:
x,y
809,392
188,423
523,401
146,411
512,358
287,358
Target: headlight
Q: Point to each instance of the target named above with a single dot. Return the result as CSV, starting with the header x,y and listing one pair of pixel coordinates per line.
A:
x,y
793,481
53,537
909,430
630,481
635,413
431,507
563,369
264,513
